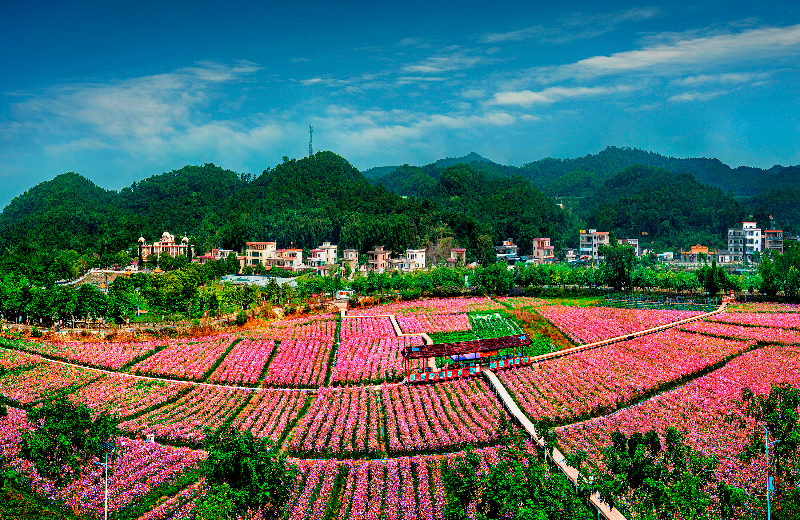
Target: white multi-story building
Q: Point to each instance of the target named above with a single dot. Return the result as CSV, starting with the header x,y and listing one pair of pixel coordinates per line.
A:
x,y
167,244
324,255
414,259
744,241
590,242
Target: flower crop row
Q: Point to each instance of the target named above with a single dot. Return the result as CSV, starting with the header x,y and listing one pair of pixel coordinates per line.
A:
x,y
185,359
435,305
302,328
602,379
365,359
270,413
764,307
245,363
342,422
11,359
106,354
519,302
43,381
185,419
416,323
367,326
441,416
177,507
299,363
125,396
702,409
590,324
763,319
769,334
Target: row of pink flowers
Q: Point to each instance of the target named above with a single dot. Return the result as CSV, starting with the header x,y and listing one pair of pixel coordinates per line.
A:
x,y
106,354
416,323
436,305
185,419
367,326
519,302
300,363
436,417
342,421
185,359
702,409
11,359
602,379
123,396
245,363
764,307
177,507
270,413
769,334
764,319
301,328
371,359
590,324
43,381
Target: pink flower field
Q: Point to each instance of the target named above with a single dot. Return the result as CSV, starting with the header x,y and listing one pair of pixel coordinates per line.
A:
x,y
700,408
182,359
245,363
185,419
518,302
769,334
43,381
440,416
341,422
364,359
125,396
12,359
604,378
367,327
270,413
590,324
416,323
434,305
300,363
105,354
764,319
320,326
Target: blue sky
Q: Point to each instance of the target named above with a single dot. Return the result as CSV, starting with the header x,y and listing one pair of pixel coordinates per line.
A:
x,y
118,91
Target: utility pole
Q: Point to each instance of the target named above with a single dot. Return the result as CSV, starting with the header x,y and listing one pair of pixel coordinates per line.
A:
x,y
310,137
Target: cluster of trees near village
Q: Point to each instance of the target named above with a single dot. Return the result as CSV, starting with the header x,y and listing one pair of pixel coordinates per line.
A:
x,y
195,292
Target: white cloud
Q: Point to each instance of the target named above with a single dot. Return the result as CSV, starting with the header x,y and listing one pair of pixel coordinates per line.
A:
x,y
688,97
756,44
451,59
732,77
579,26
527,98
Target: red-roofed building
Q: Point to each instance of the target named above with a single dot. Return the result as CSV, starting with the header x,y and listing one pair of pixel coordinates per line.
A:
x,y
543,252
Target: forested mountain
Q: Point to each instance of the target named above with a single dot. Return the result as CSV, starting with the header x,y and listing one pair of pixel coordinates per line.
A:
x,y
303,202
381,171
664,207
569,176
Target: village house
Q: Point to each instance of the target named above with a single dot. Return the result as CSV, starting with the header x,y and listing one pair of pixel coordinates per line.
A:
x,y
378,259
543,252
414,259
458,256
350,257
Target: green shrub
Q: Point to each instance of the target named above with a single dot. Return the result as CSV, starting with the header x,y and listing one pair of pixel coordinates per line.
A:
x,y
241,318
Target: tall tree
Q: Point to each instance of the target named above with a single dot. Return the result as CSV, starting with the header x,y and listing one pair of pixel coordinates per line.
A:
x,y
65,441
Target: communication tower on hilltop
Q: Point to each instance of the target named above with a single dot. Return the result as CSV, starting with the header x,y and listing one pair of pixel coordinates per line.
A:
x,y
310,137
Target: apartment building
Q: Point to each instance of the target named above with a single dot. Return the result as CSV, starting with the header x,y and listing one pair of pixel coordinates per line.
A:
x,y
590,242
744,241
259,253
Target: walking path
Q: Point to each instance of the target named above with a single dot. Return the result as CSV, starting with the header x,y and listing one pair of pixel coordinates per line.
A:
x,y
558,458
